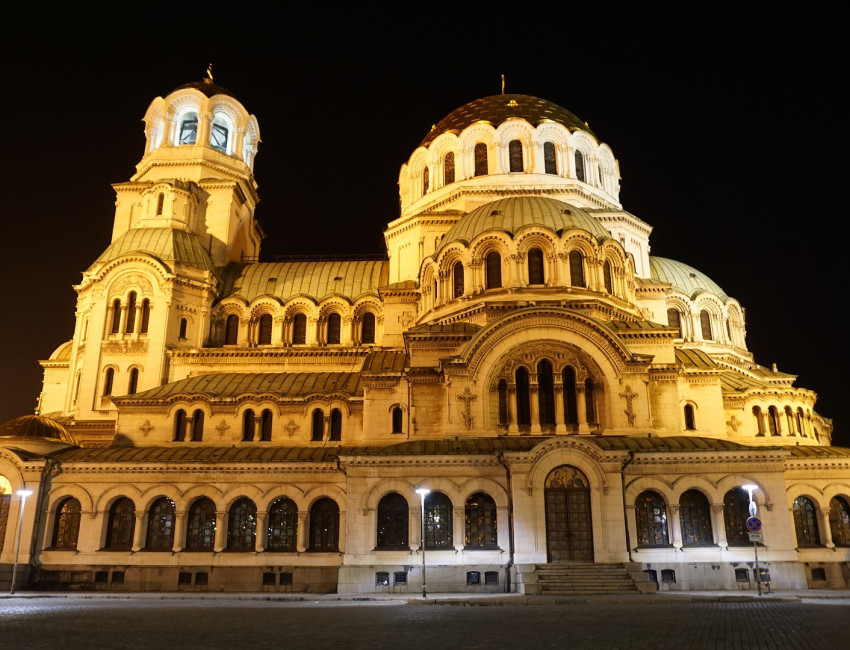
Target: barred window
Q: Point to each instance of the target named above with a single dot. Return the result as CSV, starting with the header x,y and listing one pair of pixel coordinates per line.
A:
x,y
120,525
480,519
393,517
161,517
201,526
438,521
282,525
242,526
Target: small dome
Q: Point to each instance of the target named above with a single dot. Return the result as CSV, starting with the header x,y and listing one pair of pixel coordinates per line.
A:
x,y
166,244
63,352
207,87
35,428
515,213
500,108
684,278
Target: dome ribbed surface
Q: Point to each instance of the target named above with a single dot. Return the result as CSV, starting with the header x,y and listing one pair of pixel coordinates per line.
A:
x,y
684,278
35,427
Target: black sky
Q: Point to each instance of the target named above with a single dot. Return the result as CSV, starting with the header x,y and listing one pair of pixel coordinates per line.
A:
x,y
729,134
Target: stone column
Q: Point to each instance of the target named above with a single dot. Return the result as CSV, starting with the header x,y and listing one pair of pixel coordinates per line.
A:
x,y
139,532
581,408
513,409
718,524
220,542
560,425
674,525
180,525
262,535
823,516
303,532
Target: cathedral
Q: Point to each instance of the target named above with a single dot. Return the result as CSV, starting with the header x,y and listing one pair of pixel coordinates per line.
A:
x,y
516,397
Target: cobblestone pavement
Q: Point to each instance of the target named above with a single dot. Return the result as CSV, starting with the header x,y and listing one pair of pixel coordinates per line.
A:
x,y
91,621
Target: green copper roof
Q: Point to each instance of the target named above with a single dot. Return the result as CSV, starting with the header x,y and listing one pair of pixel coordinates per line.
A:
x,y
683,278
166,244
315,279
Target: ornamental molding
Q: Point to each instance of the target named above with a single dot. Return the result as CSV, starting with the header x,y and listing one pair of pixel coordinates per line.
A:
x,y
129,347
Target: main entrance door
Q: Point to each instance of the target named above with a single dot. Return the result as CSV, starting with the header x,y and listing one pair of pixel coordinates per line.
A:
x,y
569,529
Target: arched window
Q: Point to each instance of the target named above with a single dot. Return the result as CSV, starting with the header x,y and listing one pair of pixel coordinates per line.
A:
x,y
773,421
398,419
299,329
546,393
523,398
481,159
438,521
66,529
231,330
568,379
120,525
705,325
179,425
334,328
219,133
367,328
393,517
197,425
607,277
579,158
736,511
480,522
590,400
160,200
449,168
131,313
116,317
695,518
535,266
324,525
283,525
457,280
503,402
426,180
108,379
336,425
515,155
576,269
690,422
674,320
789,420
839,520
242,526
549,162
146,316
200,535
248,424
183,325
759,421
318,426
161,517
133,384
266,420
188,130
651,519
264,334
493,264
806,522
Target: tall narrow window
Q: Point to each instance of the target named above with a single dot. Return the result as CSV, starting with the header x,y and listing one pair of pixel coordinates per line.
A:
x,y
200,535
515,155
579,158
705,325
116,317
133,384
318,426
480,522
231,330
523,399
248,424
674,320
66,528
736,511
334,328
576,269
299,329
131,313
264,336
651,519
120,525
218,136
282,526
503,402
242,526
188,133
690,422
426,180
179,425
266,426
393,517
695,517
759,421
607,278
789,420
773,421
398,419
590,400
108,378
183,325
839,520
146,316
493,262
806,522
549,162
161,518
535,266
197,425
367,328
449,168
481,159
545,393
438,521
160,200
324,525
457,280
336,425
568,379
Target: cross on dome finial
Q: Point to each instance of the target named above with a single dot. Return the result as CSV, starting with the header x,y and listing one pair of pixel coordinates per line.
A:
x,y
503,84
209,78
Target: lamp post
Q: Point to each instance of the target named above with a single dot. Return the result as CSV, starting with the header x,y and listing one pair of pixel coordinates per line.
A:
x,y
753,512
422,492
23,494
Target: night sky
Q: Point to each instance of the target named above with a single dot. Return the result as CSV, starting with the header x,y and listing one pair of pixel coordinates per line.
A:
x,y
727,133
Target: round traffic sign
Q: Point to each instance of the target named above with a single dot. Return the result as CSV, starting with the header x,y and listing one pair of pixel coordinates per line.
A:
x,y
754,524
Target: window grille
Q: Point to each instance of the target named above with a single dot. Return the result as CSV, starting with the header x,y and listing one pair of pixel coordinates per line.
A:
x,y
668,576
184,578
400,578
201,526
242,526
491,577
286,579
382,579
101,577
324,525
695,517
269,579
742,575
473,577
161,525
118,577
202,579
819,575
652,574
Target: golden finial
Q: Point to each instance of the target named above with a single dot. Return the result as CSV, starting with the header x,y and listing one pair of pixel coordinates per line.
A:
x,y
503,84
209,78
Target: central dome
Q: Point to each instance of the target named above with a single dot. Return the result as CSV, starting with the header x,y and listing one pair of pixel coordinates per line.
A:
x,y
500,108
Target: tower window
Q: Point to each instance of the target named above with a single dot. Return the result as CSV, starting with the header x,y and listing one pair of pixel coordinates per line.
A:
x,y
218,137
367,328
426,180
146,316
299,329
116,316
160,201
183,324
577,269
318,426
265,334
398,419
535,266
457,279
336,425
188,129
133,384
493,263
690,423
481,159
108,378
674,320
449,168
334,326
549,163
515,155
131,313
579,158
231,330
705,325
606,276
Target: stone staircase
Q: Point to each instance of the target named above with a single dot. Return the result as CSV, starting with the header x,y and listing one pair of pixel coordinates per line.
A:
x,y
589,579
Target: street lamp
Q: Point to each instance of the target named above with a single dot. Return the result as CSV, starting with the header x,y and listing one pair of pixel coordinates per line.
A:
x,y
422,492
753,512
23,494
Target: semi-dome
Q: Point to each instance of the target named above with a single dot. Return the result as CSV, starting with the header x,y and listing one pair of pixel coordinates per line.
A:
x,y
500,108
166,244
35,428
512,214
683,278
